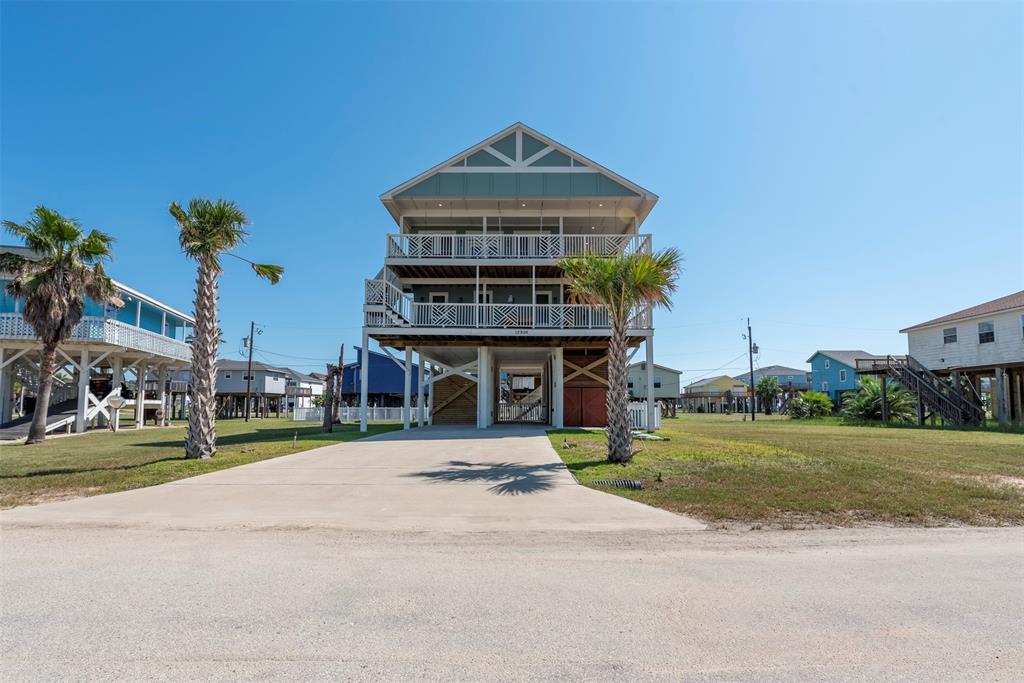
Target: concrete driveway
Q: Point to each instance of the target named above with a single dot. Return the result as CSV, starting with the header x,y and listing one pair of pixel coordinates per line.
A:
x,y
445,558
435,479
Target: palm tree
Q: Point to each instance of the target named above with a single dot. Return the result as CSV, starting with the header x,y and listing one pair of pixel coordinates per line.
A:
x,y
66,266
624,285
866,402
767,390
207,230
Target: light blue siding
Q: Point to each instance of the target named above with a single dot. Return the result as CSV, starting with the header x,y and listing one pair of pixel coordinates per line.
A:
x,y
832,375
518,185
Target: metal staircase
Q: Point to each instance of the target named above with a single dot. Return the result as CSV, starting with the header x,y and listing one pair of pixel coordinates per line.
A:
x,y
934,394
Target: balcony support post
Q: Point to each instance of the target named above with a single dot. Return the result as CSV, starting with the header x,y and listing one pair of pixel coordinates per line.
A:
x,y
652,404
483,382
161,392
419,390
5,389
407,395
116,378
364,376
83,391
140,395
557,388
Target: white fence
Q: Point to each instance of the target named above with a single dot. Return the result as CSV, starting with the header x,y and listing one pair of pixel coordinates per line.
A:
x,y
351,414
638,416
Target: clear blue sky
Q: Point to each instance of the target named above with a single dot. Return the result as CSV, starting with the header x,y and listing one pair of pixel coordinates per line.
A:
x,y
836,171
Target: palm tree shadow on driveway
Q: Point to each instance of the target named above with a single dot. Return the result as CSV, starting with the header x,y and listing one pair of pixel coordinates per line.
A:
x,y
510,478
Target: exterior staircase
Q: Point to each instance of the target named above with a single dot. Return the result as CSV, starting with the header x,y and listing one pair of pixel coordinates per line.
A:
x,y
935,395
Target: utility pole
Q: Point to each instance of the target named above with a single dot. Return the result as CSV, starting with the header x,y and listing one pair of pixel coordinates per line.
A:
x,y
339,381
248,375
750,354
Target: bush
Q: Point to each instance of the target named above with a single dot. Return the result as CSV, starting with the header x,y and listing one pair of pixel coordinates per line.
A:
x,y
810,404
865,404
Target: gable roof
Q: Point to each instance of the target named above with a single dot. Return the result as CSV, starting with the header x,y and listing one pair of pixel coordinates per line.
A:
x,y
845,357
1005,303
660,367
229,364
708,380
522,150
773,370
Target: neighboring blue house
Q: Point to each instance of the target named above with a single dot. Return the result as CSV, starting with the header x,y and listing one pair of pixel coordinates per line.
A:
x,y
834,372
386,383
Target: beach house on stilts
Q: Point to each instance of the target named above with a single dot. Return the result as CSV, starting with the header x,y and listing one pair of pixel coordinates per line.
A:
x,y
472,293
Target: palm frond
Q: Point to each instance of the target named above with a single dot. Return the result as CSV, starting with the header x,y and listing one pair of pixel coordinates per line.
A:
x,y
269,271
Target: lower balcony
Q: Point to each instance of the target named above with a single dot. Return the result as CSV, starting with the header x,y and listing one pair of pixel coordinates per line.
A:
x,y
578,318
103,331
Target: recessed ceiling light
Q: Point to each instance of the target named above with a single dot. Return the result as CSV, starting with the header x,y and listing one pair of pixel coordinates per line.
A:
x,y
591,227
440,204
524,204
600,204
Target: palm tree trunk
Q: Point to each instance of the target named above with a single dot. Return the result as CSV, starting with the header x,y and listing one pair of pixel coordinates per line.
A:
x,y
37,430
202,426
619,436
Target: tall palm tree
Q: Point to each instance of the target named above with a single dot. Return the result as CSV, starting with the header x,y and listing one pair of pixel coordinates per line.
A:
x,y
767,389
207,230
65,267
624,285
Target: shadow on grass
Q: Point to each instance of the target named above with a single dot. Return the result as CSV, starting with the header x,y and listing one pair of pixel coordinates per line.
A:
x,y
86,470
511,478
260,436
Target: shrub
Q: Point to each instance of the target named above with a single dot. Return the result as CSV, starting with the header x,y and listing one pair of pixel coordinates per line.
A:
x,y
865,404
810,404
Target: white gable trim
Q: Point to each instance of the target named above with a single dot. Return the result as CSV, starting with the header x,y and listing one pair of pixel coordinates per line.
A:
x,y
518,165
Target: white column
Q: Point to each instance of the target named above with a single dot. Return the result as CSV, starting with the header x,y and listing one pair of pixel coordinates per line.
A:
x,y
430,398
83,391
419,392
652,405
407,396
140,395
1001,407
161,393
557,389
483,379
364,378
138,313
116,377
5,390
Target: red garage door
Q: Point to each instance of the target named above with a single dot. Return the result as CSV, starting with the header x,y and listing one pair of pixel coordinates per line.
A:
x,y
585,407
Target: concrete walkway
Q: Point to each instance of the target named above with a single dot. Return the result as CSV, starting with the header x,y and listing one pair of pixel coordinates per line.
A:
x,y
435,479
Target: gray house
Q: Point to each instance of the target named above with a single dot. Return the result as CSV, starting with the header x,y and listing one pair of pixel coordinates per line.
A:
x,y
267,389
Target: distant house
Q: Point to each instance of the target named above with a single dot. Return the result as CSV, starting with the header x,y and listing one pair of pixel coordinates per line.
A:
x,y
301,389
835,372
794,377
714,395
386,384
266,390
666,381
981,345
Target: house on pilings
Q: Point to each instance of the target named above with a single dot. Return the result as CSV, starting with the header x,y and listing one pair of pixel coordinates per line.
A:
x,y
471,286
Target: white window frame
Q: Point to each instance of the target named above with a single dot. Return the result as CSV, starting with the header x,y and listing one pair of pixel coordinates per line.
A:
x,y
946,335
842,374
827,364
431,295
991,330
824,386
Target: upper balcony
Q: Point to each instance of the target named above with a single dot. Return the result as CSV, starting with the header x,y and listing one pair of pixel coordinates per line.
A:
x,y
508,249
104,331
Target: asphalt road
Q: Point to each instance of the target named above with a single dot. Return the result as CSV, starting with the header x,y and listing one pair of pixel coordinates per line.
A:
x,y
93,598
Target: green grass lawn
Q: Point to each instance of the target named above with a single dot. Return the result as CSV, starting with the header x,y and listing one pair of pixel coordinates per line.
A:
x,y
790,473
103,462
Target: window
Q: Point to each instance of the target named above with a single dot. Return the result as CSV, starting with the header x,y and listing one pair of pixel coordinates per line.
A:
x,y
789,378
986,332
1022,326
949,335
657,382
227,375
827,365
824,387
842,375
630,384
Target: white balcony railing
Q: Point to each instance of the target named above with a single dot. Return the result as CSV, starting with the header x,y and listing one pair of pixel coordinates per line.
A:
x,y
393,308
505,246
106,331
